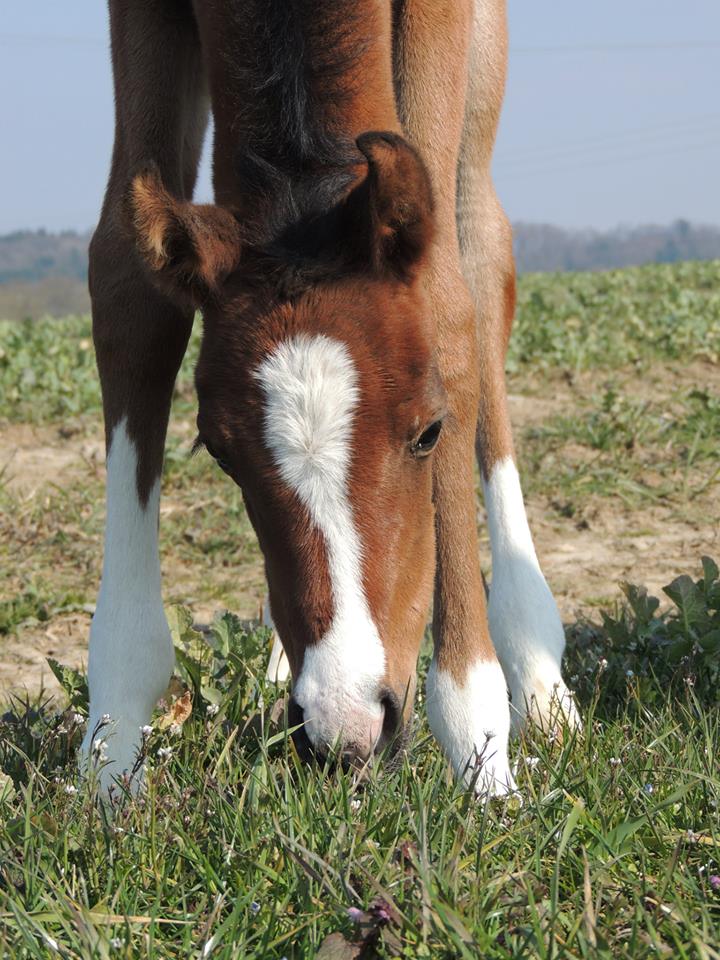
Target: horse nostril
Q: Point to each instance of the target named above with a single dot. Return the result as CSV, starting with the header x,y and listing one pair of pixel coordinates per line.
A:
x,y
296,718
392,719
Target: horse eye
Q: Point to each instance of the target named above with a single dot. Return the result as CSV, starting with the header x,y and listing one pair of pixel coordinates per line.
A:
x,y
427,439
223,464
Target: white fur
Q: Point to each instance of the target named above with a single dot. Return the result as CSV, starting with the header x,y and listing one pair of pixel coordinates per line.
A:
x,y
311,394
524,621
472,724
131,652
278,668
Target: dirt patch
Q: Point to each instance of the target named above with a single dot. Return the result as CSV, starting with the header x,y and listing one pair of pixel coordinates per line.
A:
x,y
648,547
31,457
583,561
23,658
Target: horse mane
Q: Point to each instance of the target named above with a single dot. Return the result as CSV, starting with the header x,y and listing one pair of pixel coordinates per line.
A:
x,y
294,65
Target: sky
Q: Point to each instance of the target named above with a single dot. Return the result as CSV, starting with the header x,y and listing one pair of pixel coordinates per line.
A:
x,y
611,113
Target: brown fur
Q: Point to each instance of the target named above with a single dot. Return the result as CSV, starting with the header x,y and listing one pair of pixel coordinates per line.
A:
x,y
325,222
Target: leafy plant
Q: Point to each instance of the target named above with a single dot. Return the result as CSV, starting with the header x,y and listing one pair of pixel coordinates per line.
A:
x,y
650,652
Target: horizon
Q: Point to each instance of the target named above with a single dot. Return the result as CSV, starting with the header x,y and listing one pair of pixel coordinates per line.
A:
x,y
617,228
609,122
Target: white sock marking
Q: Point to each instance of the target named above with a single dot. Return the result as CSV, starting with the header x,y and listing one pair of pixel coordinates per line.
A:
x,y
311,393
278,668
524,621
131,652
472,724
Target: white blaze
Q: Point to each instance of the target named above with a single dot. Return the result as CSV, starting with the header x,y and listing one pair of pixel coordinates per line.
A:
x,y
311,394
131,652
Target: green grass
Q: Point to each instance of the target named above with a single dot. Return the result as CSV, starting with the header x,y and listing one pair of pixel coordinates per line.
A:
x,y
236,849
583,321
565,322
239,846
615,445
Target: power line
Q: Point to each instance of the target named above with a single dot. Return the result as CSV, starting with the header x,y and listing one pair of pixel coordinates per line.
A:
x,y
42,38
639,136
599,161
616,47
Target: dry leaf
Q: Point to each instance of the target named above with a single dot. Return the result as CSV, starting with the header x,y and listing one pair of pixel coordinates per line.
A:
x,y
336,947
178,712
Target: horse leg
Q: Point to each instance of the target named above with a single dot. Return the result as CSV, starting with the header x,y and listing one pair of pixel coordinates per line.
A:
x,y
278,668
140,338
467,700
524,621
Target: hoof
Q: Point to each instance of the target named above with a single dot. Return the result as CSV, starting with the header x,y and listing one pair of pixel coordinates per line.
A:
x,y
472,723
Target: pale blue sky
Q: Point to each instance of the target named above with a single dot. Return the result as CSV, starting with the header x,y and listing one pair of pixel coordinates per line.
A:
x,y
611,115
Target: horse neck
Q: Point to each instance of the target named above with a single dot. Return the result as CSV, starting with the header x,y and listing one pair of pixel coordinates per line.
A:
x,y
293,84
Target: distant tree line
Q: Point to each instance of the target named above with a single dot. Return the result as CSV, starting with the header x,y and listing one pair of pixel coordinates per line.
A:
x,y
29,256
540,247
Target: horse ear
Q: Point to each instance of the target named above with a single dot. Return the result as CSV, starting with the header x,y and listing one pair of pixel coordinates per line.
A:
x,y
190,248
393,205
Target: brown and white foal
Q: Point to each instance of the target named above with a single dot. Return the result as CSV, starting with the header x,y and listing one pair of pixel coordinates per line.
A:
x,y
345,371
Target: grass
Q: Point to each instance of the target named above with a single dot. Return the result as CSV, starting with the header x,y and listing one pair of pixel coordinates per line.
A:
x,y
238,850
582,321
638,449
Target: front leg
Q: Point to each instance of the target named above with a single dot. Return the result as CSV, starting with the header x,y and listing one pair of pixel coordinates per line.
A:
x,y
140,339
131,651
467,702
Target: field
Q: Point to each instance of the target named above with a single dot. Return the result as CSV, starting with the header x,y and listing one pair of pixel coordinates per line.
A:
x,y
236,849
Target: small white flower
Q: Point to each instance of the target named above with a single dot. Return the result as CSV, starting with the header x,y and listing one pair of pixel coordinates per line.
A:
x,y
355,804
118,830
602,663
532,762
691,836
164,753
78,719
649,788
99,748
629,673
175,730
146,730
117,942
105,718
615,761
70,789
212,709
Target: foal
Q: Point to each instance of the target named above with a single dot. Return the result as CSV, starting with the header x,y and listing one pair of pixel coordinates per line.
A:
x,y
344,372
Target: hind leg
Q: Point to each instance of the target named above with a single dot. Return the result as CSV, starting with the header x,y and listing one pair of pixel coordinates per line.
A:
x,y
524,621
140,339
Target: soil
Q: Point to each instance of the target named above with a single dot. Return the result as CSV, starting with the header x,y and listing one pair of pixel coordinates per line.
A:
x,y
582,562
